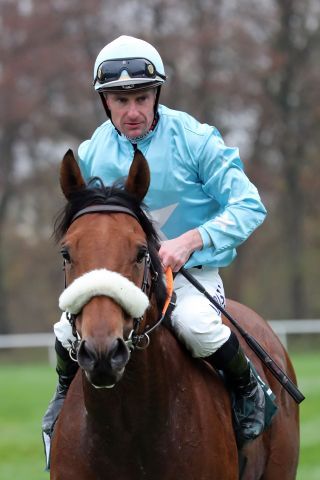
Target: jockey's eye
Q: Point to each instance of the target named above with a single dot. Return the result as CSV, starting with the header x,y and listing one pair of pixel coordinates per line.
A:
x,y
65,254
142,252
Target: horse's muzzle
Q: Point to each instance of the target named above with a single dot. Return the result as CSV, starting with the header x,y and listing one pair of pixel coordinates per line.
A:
x,y
104,368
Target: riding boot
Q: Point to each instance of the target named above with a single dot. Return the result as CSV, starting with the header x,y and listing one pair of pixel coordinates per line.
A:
x,y
249,399
66,370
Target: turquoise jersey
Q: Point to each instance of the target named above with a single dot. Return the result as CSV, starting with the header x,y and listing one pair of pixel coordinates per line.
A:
x,y
196,182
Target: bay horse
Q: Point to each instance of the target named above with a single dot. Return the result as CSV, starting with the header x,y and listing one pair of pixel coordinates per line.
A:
x,y
140,407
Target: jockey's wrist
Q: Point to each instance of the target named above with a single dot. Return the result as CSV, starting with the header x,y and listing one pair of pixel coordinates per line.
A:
x,y
193,240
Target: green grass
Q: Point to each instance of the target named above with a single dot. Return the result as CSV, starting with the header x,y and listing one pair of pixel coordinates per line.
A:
x,y
26,390
307,370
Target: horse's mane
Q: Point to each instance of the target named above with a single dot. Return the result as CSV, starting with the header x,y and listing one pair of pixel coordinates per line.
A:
x,y
96,193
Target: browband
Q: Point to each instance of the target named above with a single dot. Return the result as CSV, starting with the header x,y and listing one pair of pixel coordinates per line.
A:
x,y
104,208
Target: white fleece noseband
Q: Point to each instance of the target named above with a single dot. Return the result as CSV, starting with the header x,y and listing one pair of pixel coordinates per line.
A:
x,y
107,283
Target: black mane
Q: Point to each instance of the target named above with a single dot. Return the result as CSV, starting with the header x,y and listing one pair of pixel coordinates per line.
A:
x,y
96,193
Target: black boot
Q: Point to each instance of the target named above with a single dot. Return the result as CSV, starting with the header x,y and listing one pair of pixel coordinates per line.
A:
x,y
66,370
249,399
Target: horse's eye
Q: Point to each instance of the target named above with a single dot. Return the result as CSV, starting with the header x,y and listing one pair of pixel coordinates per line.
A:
x,y
65,254
141,254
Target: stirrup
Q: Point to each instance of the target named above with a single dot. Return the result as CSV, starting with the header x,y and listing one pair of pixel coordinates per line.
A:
x,y
47,448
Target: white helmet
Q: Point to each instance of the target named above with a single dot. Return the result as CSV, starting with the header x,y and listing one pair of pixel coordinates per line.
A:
x,y
128,63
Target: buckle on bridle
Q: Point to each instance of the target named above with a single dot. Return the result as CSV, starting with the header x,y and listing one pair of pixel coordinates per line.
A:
x,y
136,341
71,317
74,346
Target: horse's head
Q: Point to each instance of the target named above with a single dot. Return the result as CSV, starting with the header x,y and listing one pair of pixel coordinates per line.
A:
x,y
108,245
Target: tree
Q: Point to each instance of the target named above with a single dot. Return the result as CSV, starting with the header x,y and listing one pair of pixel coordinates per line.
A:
x,y
45,53
291,119
257,85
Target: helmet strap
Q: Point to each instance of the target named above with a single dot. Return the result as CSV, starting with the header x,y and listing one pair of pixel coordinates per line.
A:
x,y
105,106
156,103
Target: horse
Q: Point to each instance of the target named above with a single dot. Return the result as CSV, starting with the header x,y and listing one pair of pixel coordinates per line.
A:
x,y
140,407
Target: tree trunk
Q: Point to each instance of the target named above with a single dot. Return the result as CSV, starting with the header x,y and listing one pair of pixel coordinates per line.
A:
x,y
6,188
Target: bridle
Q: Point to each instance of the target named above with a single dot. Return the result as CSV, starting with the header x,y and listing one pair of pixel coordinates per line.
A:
x,y
135,340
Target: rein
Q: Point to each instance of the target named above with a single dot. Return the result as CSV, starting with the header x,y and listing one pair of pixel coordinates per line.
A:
x,y
136,340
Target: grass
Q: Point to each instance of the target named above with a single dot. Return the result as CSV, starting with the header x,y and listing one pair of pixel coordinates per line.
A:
x,y
307,369
26,390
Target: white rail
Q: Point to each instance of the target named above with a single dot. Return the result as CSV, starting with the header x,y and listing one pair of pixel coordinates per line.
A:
x,y
30,340
25,340
282,328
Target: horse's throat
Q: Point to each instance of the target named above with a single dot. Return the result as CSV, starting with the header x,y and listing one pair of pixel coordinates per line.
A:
x,y
140,396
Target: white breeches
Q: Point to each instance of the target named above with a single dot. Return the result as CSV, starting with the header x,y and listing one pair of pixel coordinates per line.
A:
x,y
195,322
63,332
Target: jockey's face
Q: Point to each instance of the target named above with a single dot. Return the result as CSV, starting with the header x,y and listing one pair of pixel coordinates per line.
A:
x,y
132,112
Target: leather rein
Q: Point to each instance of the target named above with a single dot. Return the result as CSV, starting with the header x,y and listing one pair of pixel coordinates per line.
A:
x,y
136,340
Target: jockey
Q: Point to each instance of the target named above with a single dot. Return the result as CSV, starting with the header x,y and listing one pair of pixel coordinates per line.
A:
x,y
200,199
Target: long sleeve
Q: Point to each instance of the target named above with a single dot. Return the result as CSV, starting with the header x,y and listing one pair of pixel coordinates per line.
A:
x,y
240,210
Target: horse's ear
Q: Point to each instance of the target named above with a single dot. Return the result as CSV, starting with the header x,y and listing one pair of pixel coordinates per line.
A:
x,y
138,180
71,179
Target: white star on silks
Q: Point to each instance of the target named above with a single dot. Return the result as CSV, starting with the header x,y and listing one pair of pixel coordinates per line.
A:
x,y
160,217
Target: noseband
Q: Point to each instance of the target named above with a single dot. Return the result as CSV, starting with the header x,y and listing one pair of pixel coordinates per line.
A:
x,y
140,341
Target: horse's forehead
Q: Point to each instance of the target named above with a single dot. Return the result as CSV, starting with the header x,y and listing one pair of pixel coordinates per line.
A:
x,y
97,227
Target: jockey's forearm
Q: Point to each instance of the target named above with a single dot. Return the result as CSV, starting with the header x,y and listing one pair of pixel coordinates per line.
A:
x,y
176,252
192,240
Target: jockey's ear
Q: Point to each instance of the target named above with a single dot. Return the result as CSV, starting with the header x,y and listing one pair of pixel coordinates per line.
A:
x,y
138,180
71,179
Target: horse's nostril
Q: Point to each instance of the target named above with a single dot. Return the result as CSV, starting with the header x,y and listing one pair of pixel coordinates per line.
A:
x,y
87,357
119,354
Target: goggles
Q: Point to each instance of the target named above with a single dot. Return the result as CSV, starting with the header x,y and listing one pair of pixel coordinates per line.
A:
x,y
111,70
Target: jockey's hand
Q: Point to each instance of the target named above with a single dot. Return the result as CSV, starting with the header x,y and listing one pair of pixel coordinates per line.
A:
x,y
176,252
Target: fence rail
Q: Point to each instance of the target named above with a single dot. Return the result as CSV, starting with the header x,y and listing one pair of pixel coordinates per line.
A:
x,y
25,340
282,328
30,340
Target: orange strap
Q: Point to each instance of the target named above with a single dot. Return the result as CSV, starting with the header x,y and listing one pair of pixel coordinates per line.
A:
x,y
169,282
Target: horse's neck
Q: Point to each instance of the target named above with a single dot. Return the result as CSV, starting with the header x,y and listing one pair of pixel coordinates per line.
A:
x,y
145,390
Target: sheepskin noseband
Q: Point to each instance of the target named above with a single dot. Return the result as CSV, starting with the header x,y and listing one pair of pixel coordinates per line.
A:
x,y
107,283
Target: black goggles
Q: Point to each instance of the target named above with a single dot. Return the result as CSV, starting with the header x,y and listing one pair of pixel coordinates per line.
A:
x,y
111,70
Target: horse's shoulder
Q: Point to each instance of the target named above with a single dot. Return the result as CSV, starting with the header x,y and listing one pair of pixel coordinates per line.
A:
x,y
195,370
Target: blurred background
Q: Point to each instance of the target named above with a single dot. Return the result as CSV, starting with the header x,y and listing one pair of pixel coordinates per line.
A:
x,y
250,68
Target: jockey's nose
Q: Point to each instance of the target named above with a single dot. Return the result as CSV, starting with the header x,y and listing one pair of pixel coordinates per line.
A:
x,y
132,110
